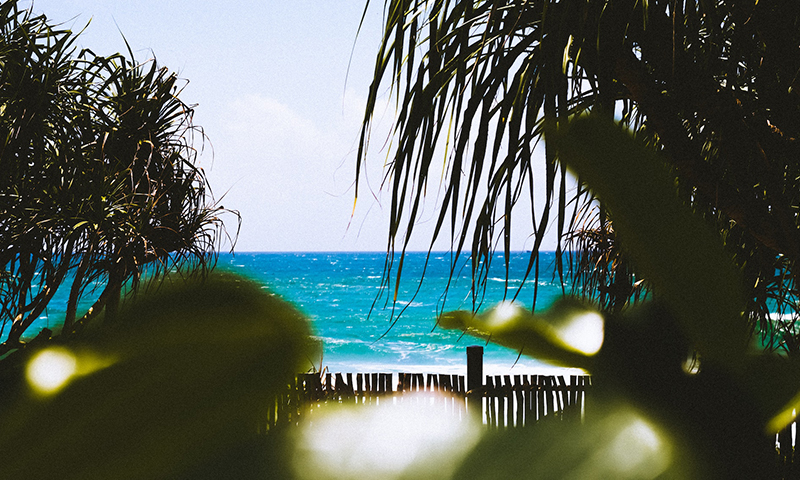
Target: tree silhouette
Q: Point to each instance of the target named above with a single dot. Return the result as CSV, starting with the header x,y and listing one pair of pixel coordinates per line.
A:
x,y
711,85
98,179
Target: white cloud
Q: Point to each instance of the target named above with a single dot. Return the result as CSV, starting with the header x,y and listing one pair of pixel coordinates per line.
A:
x,y
289,173
264,128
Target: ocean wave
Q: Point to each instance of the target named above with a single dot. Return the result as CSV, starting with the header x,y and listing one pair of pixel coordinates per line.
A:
x,y
340,341
404,303
340,301
782,317
502,279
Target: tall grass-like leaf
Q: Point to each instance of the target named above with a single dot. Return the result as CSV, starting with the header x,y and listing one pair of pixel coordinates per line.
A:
x,y
680,254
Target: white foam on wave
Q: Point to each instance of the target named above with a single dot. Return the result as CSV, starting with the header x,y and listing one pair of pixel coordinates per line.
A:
x,y
403,303
511,281
783,317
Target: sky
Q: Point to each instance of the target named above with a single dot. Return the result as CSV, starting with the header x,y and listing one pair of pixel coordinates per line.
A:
x,y
280,88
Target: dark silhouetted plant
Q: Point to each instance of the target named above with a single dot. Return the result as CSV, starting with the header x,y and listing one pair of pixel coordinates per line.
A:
x,y
712,85
98,176
715,419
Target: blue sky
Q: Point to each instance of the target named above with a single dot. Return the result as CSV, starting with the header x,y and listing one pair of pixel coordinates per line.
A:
x,y
276,102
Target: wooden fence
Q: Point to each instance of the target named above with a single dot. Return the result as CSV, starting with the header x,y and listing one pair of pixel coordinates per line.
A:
x,y
501,401
785,446
533,398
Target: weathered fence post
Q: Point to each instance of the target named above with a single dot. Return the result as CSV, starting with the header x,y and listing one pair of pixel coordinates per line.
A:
x,y
475,379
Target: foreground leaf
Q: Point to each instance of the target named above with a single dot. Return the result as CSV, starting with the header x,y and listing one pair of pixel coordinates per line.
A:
x,y
679,254
183,387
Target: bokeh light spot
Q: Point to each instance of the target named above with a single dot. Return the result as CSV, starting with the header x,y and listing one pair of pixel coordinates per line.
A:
x,y
51,369
638,448
413,439
583,333
503,313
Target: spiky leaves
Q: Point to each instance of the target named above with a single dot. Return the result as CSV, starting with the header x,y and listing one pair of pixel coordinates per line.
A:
x,y
98,177
712,85
475,81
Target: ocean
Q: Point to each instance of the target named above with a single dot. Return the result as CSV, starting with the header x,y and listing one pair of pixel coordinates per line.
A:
x,y
363,332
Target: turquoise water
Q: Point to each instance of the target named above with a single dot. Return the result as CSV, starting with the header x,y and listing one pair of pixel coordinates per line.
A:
x,y
338,292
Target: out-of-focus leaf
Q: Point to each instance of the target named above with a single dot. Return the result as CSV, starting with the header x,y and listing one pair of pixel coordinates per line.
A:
x,y
568,334
674,250
773,382
190,373
616,441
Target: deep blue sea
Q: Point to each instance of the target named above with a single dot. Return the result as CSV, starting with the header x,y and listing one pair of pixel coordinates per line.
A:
x,y
338,292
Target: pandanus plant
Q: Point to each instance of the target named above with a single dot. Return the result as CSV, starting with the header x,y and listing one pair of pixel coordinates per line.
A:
x,y
99,181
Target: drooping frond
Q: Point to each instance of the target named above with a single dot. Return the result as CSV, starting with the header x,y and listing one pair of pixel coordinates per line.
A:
x,y
476,82
711,85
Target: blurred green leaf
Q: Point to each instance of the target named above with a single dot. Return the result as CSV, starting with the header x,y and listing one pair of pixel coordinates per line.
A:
x,y
550,336
724,415
680,255
615,442
194,368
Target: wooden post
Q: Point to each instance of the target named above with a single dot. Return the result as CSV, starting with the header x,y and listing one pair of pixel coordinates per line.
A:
x,y
475,379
